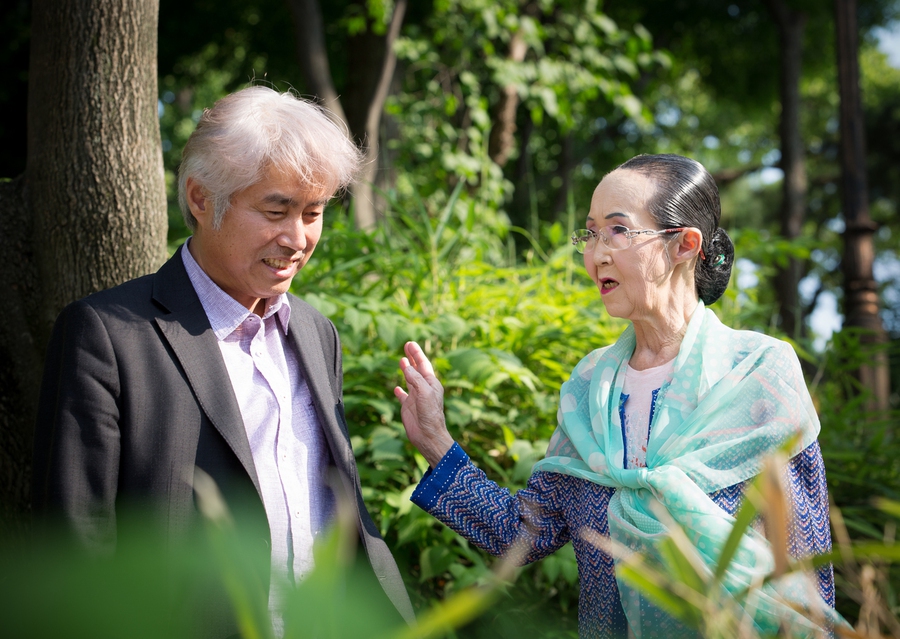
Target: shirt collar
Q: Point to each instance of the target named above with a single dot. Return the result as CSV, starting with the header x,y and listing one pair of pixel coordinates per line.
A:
x,y
224,312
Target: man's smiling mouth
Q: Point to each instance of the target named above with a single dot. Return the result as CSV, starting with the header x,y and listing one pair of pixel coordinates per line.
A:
x,y
277,263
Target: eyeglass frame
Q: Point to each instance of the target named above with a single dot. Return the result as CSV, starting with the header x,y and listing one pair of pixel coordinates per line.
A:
x,y
585,235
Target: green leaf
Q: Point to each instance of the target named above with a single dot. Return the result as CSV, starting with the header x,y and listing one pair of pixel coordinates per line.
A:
x,y
745,516
386,445
358,321
321,304
435,561
650,584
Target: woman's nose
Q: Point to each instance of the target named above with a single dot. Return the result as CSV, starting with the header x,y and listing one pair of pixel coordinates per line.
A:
x,y
599,252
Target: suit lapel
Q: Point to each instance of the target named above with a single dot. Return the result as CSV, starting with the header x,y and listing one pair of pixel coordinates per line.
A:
x,y
186,328
306,341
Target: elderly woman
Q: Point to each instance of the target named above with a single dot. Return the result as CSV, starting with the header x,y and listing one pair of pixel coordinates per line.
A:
x,y
669,423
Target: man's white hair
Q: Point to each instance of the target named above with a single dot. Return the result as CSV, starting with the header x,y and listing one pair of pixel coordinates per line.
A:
x,y
248,132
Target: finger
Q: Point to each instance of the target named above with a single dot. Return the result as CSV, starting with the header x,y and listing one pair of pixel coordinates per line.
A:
x,y
417,355
414,379
400,394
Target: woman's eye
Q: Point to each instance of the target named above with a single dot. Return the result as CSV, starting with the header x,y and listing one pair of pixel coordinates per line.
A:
x,y
617,229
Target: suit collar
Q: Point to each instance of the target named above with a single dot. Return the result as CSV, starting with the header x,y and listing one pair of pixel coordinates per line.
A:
x,y
186,328
319,373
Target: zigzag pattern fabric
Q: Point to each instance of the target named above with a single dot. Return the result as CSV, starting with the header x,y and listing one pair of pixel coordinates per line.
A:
x,y
555,509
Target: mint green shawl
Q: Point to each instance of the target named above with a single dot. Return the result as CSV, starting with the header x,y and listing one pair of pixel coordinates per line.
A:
x,y
732,398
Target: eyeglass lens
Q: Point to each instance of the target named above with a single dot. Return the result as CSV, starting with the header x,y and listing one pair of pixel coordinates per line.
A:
x,y
615,236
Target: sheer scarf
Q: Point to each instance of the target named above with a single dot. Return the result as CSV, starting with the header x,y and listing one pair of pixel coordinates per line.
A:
x,y
732,398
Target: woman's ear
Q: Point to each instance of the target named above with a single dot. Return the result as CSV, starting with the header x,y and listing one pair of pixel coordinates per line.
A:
x,y
688,244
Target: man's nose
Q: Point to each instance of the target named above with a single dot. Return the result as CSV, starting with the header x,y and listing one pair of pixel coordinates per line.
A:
x,y
293,234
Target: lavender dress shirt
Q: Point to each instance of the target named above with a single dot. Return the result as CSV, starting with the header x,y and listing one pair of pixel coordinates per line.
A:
x,y
286,439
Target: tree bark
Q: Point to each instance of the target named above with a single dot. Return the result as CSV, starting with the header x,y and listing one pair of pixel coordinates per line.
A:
x,y
566,164
372,63
368,102
313,55
90,210
20,356
861,302
502,140
791,25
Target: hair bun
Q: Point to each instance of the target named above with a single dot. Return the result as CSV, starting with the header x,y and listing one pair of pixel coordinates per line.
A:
x,y
716,268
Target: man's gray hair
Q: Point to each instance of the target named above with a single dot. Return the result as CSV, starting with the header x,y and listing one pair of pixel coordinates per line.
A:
x,y
248,132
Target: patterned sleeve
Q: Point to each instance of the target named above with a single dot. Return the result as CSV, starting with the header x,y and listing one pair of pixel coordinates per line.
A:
x,y
810,532
461,496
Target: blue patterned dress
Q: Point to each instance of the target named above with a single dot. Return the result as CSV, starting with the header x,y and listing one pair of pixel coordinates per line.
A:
x,y
553,508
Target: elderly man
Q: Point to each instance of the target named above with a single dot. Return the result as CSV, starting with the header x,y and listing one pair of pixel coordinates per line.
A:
x,y
209,363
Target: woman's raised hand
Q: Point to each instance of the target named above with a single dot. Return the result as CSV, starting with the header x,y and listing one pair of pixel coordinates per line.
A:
x,y
422,409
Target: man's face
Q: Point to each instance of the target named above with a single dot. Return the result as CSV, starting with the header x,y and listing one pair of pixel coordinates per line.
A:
x,y
266,236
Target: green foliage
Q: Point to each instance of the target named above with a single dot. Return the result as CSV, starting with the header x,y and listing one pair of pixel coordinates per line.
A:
x,y
578,68
207,580
860,448
153,589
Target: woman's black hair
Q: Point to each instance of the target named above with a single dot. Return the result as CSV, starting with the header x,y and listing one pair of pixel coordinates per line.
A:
x,y
686,195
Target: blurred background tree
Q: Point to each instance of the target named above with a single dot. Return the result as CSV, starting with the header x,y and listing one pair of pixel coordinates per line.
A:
x,y
488,123
85,208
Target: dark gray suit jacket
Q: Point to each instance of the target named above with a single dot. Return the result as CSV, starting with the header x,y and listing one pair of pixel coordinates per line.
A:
x,y
136,394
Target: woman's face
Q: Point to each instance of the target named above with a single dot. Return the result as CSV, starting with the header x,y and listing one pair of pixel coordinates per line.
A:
x,y
634,282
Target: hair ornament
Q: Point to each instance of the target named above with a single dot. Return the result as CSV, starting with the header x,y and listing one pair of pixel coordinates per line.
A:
x,y
719,261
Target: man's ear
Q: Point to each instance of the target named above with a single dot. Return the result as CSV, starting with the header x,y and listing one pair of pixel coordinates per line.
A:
x,y
198,200
688,244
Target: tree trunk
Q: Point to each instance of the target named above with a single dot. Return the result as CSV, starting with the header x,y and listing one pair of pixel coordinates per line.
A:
x,y
791,25
502,140
861,303
365,104
90,210
20,356
313,55
372,63
566,166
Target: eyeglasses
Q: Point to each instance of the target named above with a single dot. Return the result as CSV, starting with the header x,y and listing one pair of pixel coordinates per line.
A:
x,y
615,236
